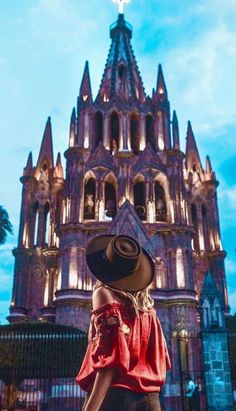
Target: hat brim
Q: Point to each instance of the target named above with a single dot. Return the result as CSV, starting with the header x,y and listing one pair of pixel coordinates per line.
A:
x,y
105,271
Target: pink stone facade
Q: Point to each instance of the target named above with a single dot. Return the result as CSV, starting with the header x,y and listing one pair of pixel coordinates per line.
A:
x,y
125,174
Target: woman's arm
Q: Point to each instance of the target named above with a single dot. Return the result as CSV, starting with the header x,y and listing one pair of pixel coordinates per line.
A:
x,y
104,376
102,383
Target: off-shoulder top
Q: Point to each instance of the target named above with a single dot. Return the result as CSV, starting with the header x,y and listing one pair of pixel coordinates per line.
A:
x,y
134,345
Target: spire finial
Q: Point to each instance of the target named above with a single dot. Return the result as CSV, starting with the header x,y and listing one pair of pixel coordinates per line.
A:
x,y
121,5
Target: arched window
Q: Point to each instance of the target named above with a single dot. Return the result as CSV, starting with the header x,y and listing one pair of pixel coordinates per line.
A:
x,y
195,226
184,350
98,128
149,130
89,199
206,311
216,314
160,203
205,228
140,200
114,132
180,274
134,133
110,200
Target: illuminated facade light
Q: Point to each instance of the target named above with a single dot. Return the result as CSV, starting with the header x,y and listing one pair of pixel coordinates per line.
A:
x,y
180,276
151,212
86,142
73,269
46,291
105,98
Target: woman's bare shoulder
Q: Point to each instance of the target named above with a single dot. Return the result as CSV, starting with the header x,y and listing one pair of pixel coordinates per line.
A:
x,y
104,295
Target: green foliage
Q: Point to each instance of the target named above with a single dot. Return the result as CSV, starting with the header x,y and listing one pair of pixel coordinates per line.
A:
x,y
5,225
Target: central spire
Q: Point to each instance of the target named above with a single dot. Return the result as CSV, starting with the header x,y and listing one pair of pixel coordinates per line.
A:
x,y
121,77
121,5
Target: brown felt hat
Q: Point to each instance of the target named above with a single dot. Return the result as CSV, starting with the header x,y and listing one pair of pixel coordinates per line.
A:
x,y
120,262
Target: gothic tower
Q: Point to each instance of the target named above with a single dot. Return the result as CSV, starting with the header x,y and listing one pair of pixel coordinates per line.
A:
x,y
214,343
125,174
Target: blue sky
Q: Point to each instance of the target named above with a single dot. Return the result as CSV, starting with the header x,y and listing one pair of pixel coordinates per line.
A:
x,y
43,48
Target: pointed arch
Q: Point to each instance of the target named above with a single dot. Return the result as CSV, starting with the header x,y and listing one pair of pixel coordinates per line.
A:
x,y
160,202
149,131
134,132
89,197
184,350
206,311
140,197
114,132
217,320
110,198
98,128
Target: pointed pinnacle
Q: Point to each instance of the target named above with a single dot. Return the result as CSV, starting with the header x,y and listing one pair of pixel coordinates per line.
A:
x,y
208,165
46,149
58,163
58,170
175,119
29,163
73,115
85,88
161,86
175,131
191,146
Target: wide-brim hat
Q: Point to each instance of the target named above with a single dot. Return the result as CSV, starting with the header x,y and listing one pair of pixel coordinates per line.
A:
x,y
120,262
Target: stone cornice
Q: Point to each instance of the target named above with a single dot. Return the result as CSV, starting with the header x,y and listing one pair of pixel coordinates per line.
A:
x,y
22,251
73,296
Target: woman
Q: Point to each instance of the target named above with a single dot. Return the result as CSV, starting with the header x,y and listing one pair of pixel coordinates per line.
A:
x,y
126,360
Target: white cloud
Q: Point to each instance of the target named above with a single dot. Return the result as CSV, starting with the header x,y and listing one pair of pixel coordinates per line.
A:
x,y
58,23
202,73
228,194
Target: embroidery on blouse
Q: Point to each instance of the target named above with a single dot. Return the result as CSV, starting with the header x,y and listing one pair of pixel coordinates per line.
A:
x,y
125,328
112,320
109,325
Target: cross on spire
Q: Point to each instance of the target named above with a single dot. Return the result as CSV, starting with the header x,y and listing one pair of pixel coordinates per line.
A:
x,y
121,5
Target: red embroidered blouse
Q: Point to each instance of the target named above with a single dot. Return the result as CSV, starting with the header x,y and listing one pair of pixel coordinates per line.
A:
x,y
133,345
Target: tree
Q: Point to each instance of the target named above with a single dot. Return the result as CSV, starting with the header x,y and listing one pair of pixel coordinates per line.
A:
x,y
5,225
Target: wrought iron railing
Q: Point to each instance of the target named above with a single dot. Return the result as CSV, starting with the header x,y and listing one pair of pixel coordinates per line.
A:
x,y
38,365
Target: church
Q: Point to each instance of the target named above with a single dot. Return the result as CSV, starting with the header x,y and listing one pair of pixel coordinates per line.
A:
x,y
126,173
